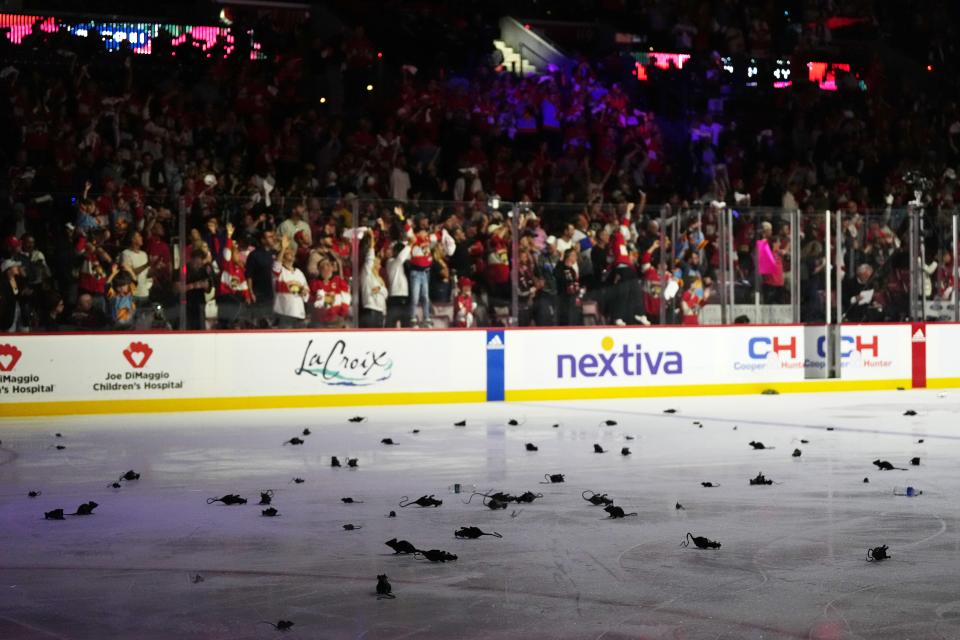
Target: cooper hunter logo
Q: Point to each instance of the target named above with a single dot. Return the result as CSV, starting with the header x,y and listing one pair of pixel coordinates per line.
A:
x,y
855,350
779,352
137,354
9,356
628,361
340,367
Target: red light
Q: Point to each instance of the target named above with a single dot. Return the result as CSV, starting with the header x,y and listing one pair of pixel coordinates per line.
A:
x,y
929,67
379,54
527,26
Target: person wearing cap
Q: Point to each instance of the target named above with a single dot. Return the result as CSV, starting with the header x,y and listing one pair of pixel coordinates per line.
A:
x,y
12,293
119,292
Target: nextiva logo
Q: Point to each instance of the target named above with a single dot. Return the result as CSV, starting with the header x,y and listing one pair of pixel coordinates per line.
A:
x,y
765,351
862,349
627,361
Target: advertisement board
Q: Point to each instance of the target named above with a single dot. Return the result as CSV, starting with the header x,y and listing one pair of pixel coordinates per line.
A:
x,y
943,354
386,366
656,357
867,352
62,374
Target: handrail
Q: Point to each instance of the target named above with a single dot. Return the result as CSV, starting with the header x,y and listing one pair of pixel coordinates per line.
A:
x,y
521,39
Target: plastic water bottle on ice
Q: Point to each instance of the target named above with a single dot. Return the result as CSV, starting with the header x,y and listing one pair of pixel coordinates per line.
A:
x,y
909,492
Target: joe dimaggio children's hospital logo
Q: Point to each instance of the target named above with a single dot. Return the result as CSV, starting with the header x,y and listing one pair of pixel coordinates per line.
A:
x,y
9,357
137,355
18,384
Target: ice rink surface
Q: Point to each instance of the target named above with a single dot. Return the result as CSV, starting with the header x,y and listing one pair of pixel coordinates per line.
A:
x,y
792,562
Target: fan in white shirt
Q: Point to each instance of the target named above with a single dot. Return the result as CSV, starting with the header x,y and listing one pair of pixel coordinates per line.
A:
x,y
290,286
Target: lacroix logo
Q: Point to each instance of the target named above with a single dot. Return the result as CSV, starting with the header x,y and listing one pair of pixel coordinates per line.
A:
x,y
341,366
626,361
138,354
9,356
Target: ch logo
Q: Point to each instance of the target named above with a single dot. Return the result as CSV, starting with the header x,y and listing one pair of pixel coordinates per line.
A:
x,y
9,356
137,354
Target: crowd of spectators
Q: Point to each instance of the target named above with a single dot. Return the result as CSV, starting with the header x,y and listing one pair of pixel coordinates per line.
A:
x,y
325,187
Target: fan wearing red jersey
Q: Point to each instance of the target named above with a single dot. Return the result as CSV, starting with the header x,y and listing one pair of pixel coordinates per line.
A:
x,y
233,292
329,298
464,305
691,303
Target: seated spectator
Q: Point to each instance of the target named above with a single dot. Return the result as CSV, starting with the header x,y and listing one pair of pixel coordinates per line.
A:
x,y
86,316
